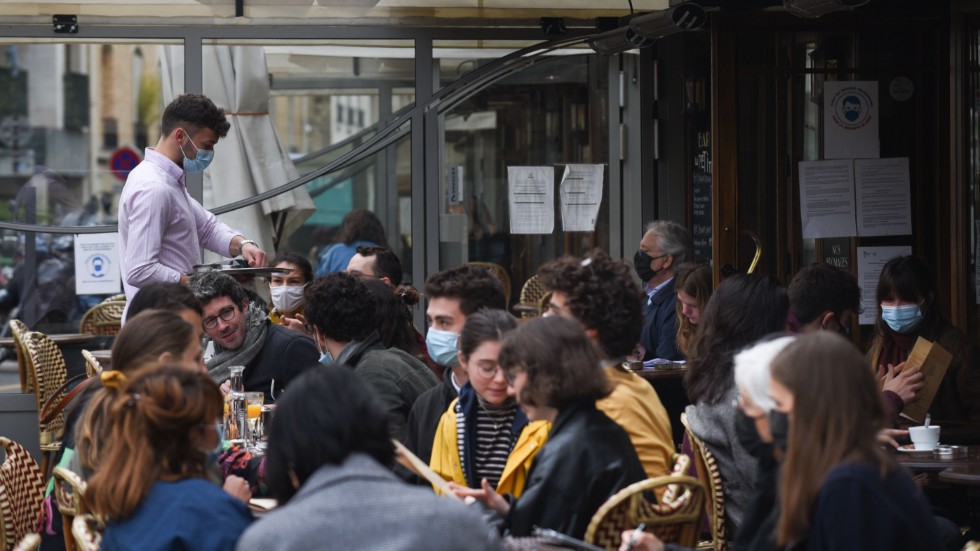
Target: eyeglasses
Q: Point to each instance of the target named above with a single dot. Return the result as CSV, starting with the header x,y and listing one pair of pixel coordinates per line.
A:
x,y
488,371
227,313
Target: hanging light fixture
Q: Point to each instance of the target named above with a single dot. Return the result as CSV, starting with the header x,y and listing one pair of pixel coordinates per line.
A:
x,y
684,17
815,8
618,41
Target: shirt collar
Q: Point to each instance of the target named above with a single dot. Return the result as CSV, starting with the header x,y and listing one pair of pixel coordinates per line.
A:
x,y
650,292
151,155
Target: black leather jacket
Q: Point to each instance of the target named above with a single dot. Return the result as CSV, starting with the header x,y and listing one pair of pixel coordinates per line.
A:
x,y
587,458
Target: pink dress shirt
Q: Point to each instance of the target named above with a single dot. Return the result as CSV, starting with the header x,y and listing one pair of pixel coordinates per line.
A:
x,y
161,228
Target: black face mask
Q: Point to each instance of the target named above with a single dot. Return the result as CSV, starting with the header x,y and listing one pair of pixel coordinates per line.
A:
x,y
748,436
641,263
779,425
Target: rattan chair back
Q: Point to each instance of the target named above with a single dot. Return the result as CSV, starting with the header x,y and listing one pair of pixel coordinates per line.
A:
x,y
21,494
104,318
87,530
18,329
677,520
710,475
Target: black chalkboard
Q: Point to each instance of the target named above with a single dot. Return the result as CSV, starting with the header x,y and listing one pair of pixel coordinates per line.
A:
x,y
701,191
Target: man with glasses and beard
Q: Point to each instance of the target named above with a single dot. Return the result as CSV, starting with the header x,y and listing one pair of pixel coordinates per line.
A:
x,y
243,335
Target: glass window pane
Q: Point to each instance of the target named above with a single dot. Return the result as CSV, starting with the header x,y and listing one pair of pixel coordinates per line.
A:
x,y
549,114
74,117
325,99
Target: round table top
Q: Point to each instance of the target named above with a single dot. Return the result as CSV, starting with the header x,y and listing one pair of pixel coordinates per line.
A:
x,y
65,338
966,475
929,462
654,374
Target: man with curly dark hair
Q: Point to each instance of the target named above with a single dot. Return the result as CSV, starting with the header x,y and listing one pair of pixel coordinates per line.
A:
x,y
342,314
601,294
161,227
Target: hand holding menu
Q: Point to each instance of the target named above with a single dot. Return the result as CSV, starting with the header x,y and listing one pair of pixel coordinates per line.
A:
x,y
933,360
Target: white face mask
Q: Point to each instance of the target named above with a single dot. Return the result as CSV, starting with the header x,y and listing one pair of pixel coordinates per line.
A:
x,y
287,298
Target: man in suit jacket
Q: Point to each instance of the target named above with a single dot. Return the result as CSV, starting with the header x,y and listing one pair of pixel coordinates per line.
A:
x,y
665,247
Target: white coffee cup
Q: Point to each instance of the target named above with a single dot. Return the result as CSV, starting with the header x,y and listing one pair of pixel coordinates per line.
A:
x,y
925,438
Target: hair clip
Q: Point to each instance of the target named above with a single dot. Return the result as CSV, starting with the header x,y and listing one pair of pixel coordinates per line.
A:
x,y
585,262
113,379
133,398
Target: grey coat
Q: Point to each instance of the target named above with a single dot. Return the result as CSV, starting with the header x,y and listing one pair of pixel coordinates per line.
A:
x,y
362,505
714,424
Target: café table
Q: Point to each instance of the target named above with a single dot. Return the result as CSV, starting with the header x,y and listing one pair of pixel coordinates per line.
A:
x,y
927,461
71,345
967,475
58,339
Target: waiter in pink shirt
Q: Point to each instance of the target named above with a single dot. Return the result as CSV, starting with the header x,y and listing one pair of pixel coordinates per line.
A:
x,y
161,228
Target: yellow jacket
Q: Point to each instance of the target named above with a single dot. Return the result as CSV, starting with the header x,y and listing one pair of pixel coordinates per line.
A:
x,y
445,453
635,406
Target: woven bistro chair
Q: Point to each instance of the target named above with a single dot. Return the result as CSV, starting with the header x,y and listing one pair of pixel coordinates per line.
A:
x,y
69,491
50,375
104,318
30,542
710,475
87,530
533,298
21,494
18,329
92,365
675,520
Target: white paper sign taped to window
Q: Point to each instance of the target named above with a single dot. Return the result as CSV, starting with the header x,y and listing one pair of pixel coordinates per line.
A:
x,y
97,264
581,196
531,196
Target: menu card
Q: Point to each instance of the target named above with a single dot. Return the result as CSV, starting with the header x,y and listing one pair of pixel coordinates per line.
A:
x,y
933,360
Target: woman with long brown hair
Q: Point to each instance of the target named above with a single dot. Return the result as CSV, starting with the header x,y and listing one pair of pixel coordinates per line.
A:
x,y
152,484
693,285
839,488
742,310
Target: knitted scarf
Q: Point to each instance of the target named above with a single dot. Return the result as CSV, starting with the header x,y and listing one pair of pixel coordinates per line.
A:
x,y
258,324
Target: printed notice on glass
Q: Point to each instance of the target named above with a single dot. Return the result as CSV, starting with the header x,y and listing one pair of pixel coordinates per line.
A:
x,y
581,194
454,191
870,262
884,202
850,120
97,264
531,194
827,199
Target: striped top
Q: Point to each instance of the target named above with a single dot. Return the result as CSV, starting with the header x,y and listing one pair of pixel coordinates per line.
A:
x,y
494,440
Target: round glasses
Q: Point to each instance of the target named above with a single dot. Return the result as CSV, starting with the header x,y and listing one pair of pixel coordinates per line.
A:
x,y
227,313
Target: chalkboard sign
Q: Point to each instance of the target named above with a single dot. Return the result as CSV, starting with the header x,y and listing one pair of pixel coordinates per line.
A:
x,y
701,192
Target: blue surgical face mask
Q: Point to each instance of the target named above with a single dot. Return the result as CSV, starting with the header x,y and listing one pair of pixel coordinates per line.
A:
x,y
442,346
326,358
902,319
200,161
